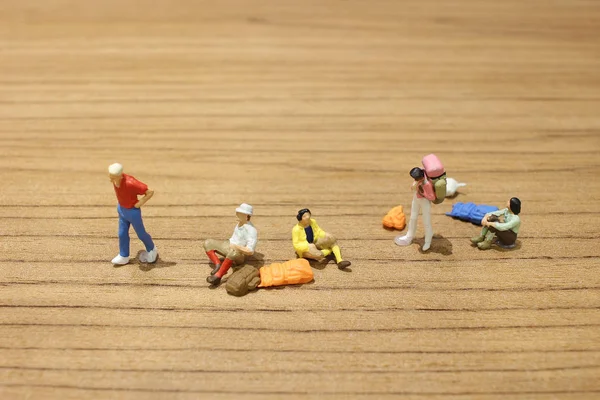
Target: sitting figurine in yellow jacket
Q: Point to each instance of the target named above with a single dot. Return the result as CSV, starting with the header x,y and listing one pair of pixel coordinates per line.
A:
x,y
312,242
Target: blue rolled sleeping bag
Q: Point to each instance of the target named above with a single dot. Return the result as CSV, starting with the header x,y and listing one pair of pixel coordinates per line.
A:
x,y
470,212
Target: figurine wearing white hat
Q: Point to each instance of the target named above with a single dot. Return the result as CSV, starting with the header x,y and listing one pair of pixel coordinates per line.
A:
x,y
127,189
235,250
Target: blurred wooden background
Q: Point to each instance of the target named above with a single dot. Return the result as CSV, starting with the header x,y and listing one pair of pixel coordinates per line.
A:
x,y
287,104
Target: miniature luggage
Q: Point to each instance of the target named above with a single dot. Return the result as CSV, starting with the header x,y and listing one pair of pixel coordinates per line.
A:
x,y
436,175
395,219
290,272
470,212
243,280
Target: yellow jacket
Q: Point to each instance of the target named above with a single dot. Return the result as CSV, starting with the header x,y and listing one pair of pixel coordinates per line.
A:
x,y
299,236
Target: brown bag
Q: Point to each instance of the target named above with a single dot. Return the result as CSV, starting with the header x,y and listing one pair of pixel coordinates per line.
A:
x,y
243,280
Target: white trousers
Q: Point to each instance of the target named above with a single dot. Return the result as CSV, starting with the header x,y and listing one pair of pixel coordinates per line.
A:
x,y
424,205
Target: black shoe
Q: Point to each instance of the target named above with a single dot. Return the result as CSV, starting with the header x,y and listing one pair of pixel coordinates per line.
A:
x,y
344,264
215,269
213,280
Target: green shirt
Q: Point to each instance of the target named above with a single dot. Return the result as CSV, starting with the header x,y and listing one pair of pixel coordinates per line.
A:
x,y
511,221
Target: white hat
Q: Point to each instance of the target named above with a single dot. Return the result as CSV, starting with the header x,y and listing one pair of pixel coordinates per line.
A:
x,y
115,169
244,209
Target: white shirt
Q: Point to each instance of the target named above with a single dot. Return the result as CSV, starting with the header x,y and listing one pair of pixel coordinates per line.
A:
x,y
245,236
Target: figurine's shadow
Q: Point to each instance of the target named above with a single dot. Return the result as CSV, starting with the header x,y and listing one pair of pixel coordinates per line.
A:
x,y
501,248
392,229
321,265
159,263
455,195
257,260
273,288
439,245
505,249
284,287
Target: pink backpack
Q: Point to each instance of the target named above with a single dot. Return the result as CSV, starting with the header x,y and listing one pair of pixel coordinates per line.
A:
x,y
436,177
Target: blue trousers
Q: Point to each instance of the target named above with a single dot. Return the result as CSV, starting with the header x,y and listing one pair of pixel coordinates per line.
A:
x,y
127,217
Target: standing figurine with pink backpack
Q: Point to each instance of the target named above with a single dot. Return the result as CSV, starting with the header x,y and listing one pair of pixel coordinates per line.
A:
x,y
429,186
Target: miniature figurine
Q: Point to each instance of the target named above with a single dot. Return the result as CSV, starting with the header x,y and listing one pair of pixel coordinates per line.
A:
x,y
235,250
503,224
429,186
311,242
128,189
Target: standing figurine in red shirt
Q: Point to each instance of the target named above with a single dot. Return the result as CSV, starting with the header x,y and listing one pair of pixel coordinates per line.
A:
x,y
128,189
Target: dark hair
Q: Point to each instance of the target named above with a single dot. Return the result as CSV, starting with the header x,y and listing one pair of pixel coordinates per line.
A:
x,y
417,173
301,213
515,205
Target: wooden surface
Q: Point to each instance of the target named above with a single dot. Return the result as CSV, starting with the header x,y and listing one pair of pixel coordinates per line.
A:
x,y
290,104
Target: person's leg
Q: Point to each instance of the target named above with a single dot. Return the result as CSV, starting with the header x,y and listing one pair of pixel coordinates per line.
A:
x,y
481,236
151,254
211,244
487,241
214,249
124,239
337,253
138,225
426,211
233,257
123,256
324,244
210,247
341,263
236,256
328,244
412,224
325,252
507,238
314,253
322,248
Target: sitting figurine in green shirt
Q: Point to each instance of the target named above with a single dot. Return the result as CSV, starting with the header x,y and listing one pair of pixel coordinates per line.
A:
x,y
503,224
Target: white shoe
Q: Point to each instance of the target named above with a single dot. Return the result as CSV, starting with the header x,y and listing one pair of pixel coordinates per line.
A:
x,y
403,240
120,260
426,246
149,256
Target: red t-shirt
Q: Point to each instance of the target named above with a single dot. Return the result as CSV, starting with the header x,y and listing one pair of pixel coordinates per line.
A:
x,y
129,190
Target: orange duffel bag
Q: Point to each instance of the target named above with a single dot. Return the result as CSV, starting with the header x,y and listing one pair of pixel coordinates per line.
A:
x,y
288,273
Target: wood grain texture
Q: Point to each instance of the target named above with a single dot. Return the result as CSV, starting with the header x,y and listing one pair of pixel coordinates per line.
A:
x,y
287,104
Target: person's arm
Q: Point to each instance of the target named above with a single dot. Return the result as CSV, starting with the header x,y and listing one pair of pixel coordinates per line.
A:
x,y
244,250
318,233
498,213
300,245
147,196
504,226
